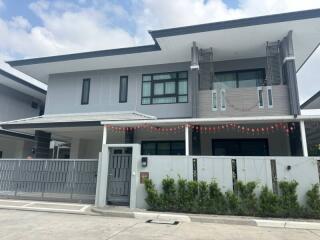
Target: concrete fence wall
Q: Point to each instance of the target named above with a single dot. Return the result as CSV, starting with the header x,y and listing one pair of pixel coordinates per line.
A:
x,y
302,169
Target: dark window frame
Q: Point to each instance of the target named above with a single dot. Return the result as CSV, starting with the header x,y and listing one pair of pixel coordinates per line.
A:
x,y
123,99
176,94
162,141
83,100
1,154
237,72
239,141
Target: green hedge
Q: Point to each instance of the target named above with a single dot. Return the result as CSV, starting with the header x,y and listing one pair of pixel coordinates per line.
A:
x,y
202,197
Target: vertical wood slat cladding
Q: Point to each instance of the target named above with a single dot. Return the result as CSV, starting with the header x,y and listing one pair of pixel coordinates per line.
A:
x,y
244,101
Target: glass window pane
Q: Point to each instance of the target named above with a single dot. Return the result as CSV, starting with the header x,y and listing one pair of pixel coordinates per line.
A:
x,y
146,78
270,100
158,89
260,92
85,91
164,100
146,101
250,78
146,89
123,89
183,99
183,75
170,88
177,148
148,149
223,99
225,80
214,100
163,148
183,87
164,76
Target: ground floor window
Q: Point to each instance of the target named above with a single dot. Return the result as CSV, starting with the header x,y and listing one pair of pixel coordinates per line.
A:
x,y
162,148
240,147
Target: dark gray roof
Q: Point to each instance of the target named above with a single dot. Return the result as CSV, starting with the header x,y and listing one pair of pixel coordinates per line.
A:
x,y
310,100
173,32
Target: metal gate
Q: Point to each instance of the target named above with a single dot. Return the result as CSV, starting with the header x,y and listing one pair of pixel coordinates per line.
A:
x,y
48,179
119,175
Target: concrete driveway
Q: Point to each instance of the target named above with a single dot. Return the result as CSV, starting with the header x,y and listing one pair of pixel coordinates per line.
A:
x,y
41,225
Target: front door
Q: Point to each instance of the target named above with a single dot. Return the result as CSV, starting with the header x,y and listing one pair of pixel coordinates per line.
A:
x,y
119,175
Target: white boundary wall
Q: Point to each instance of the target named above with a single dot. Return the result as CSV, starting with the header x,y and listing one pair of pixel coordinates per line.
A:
x,y
302,169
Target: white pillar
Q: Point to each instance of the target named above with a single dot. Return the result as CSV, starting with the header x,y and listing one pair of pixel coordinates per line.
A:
x,y
104,136
75,148
303,139
186,128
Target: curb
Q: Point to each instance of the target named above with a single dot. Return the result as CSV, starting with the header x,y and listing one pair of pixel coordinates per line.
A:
x,y
231,220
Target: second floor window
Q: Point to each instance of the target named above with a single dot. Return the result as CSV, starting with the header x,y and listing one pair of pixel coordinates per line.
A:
x,y
123,91
239,79
85,91
165,88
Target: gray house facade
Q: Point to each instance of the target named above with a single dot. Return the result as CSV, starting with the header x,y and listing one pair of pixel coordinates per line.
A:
x,y
19,98
226,89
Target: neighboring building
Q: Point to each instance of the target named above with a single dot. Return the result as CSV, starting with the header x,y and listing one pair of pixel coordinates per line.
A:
x,y
20,97
217,89
313,102
312,107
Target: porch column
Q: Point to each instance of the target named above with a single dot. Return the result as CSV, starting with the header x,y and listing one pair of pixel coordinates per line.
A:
x,y
303,139
104,136
186,129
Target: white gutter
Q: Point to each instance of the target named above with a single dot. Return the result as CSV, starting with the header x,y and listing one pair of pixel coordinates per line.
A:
x,y
260,119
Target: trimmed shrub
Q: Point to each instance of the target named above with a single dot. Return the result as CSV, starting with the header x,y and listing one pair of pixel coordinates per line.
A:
x,y
182,195
216,201
313,201
192,196
233,203
247,197
289,199
152,198
268,203
168,196
203,198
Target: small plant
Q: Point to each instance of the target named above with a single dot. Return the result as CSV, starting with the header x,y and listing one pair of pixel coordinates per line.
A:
x,y
313,200
289,199
168,195
203,198
216,201
248,199
268,203
233,202
182,195
192,196
152,195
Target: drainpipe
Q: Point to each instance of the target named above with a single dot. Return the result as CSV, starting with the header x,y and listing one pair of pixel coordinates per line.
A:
x,y
104,136
194,77
186,129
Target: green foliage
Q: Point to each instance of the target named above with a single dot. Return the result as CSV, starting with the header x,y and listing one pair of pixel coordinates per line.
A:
x,y
289,199
216,202
313,200
247,198
268,203
202,197
152,195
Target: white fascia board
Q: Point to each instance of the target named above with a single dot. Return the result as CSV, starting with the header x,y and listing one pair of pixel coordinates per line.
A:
x,y
260,119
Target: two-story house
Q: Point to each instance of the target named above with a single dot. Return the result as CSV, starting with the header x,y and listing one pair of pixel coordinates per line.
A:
x,y
218,89
20,97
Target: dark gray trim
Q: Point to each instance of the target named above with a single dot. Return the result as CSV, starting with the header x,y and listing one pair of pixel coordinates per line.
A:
x,y
314,97
275,18
173,32
16,134
51,125
21,81
94,54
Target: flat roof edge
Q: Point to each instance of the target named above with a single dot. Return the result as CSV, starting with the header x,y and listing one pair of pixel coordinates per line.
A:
x,y
22,82
237,23
93,54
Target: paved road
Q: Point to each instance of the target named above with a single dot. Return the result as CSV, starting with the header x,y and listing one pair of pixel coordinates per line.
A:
x,y
28,225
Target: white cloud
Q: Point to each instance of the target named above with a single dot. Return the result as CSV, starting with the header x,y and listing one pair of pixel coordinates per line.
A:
x,y
73,26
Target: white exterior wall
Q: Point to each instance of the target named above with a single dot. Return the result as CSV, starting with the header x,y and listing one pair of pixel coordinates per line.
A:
x,y
303,170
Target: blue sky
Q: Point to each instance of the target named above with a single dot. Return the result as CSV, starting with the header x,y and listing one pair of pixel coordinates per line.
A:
x,y
35,28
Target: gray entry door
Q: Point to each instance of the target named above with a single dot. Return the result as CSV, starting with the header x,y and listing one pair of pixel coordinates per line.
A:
x,y
119,175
